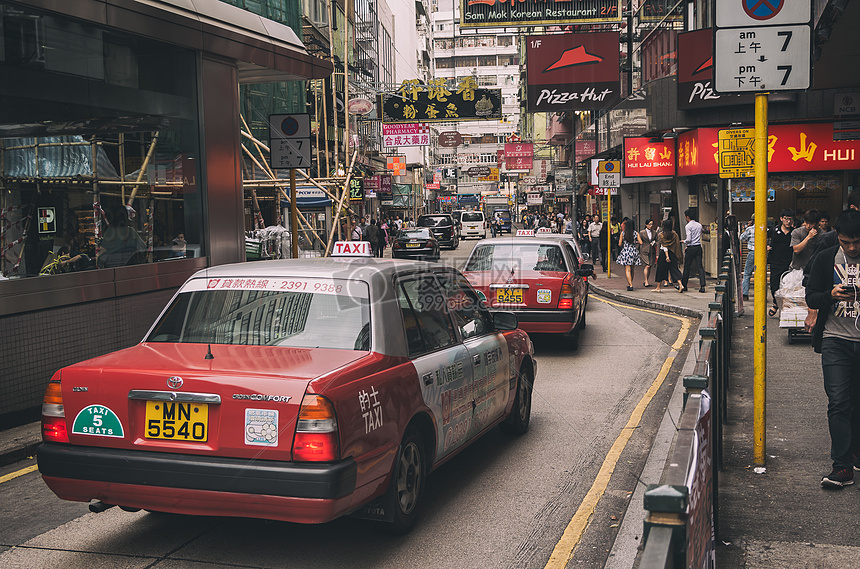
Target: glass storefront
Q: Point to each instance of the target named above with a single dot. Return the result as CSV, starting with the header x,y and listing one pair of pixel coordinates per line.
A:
x,y
98,148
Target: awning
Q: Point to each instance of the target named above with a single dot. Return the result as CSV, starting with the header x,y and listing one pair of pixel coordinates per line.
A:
x,y
265,50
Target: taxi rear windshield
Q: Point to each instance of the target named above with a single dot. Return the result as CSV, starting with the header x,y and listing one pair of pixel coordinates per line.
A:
x,y
294,313
523,257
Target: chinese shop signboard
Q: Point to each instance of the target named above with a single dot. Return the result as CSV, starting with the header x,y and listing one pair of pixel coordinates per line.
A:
x,y
435,102
519,156
790,148
406,134
496,13
645,158
572,71
397,165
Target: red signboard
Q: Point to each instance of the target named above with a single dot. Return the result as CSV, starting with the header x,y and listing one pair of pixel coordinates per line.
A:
x,y
696,71
645,158
790,148
572,71
519,155
585,149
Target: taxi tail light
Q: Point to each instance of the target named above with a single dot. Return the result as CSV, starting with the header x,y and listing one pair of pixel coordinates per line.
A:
x,y
565,298
54,415
316,437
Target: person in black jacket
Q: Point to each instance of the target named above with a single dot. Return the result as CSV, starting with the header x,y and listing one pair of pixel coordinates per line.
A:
x,y
833,290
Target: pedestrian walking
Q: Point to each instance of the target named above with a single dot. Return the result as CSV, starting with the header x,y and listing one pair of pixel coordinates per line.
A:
x,y
833,291
594,230
693,250
669,255
647,243
629,242
748,236
804,239
779,254
372,235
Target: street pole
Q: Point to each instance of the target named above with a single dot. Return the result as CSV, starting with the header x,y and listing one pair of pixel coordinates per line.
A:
x,y
608,232
294,214
760,291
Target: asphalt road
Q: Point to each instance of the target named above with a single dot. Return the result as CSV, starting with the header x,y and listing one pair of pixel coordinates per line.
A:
x,y
505,503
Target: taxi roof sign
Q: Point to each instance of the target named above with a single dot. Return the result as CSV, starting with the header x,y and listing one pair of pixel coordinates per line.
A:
x,y
352,249
525,232
544,230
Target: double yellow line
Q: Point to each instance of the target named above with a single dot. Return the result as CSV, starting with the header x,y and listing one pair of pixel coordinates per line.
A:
x,y
563,551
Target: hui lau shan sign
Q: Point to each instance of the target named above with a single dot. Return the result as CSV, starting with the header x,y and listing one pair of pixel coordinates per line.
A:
x,y
496,13
434,102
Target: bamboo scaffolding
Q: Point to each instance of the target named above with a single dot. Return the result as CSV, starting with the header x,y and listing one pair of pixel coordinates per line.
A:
x,y
336,219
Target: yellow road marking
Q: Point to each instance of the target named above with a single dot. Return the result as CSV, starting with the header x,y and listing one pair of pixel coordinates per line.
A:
x,y
563,551
16,474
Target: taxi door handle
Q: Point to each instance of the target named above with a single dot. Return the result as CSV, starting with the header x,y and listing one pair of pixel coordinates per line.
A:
x,y
476,360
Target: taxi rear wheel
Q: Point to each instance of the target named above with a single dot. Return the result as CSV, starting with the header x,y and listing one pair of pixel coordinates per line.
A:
x,y
407,483
518,422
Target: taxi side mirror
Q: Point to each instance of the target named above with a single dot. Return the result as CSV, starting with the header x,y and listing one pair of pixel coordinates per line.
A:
x,y
505,321
585,270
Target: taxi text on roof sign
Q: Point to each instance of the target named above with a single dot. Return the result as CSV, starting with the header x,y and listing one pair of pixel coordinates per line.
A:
x,y
352,249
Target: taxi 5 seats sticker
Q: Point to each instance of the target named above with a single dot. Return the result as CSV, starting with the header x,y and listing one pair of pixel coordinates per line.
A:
x,y
97,420
261,427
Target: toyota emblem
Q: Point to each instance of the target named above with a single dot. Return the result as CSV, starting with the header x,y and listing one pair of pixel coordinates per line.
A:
x,y
174,382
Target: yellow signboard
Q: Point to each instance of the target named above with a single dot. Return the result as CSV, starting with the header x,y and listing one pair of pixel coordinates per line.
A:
x,y
609,167
737,153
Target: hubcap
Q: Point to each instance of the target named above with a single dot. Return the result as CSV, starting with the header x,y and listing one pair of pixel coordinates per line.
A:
x,y
408,474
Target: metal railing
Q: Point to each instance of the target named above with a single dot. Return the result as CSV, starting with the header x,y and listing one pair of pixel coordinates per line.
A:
x,y
681,521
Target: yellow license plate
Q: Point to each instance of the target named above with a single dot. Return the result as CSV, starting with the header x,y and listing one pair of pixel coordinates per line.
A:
x,y
509,295
176,421
413,244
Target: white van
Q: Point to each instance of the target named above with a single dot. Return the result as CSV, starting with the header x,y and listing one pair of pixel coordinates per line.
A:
x,y
473,224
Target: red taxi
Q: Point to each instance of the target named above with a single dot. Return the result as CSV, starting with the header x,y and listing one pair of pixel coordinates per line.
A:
x,y
298,390
538,278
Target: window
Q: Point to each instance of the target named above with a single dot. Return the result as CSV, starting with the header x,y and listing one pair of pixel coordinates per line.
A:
x,y
509,60
536,257
487,60
468,311
466,61
487,80
425,317
505,40
445,63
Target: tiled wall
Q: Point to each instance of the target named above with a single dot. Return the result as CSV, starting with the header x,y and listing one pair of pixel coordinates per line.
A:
x,y
34,345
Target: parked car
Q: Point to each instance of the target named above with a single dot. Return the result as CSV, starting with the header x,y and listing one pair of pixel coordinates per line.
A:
x,y
537,278
473,224
416,243
442,226
298,390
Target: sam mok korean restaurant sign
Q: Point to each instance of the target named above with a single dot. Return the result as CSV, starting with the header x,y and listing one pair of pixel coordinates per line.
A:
x,y
495,13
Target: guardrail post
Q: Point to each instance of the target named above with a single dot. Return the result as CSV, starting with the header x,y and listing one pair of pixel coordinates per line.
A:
x,y
666,507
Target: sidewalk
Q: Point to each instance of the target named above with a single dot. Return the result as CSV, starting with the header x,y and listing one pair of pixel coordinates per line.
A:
x,y
780,517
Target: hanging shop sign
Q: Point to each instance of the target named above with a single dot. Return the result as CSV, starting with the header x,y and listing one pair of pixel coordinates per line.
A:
x,y
519,155
478,171
572,71
790,148
397,165
696,73
496,13
492,175
585,149
534,199
359,106
434,102
356,189
405,134
450,139
660,11
642,157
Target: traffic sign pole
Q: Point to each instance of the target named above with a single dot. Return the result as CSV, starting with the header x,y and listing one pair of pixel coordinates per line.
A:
x,y
760,290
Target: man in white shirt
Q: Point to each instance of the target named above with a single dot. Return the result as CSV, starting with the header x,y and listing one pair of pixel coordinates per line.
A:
x,y
594,238
693,251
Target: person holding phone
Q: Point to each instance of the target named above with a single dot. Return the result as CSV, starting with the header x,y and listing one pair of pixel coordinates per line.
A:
x,y
832,290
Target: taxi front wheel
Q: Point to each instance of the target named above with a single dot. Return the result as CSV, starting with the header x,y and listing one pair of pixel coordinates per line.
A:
x,y
407,483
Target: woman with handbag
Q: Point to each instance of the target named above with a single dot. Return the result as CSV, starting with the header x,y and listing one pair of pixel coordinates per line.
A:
x,y
669,254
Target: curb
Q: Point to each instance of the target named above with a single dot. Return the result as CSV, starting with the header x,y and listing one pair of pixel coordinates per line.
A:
x,y
19,443
680,310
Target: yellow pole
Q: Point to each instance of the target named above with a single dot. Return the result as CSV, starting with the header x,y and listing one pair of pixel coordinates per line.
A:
x,y
608,232
294,214
760,290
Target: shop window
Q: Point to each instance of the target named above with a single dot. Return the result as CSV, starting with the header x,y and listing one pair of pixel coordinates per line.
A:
x,y
99,168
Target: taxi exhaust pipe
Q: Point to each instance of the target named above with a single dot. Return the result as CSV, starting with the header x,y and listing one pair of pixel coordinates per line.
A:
x,y
99,507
